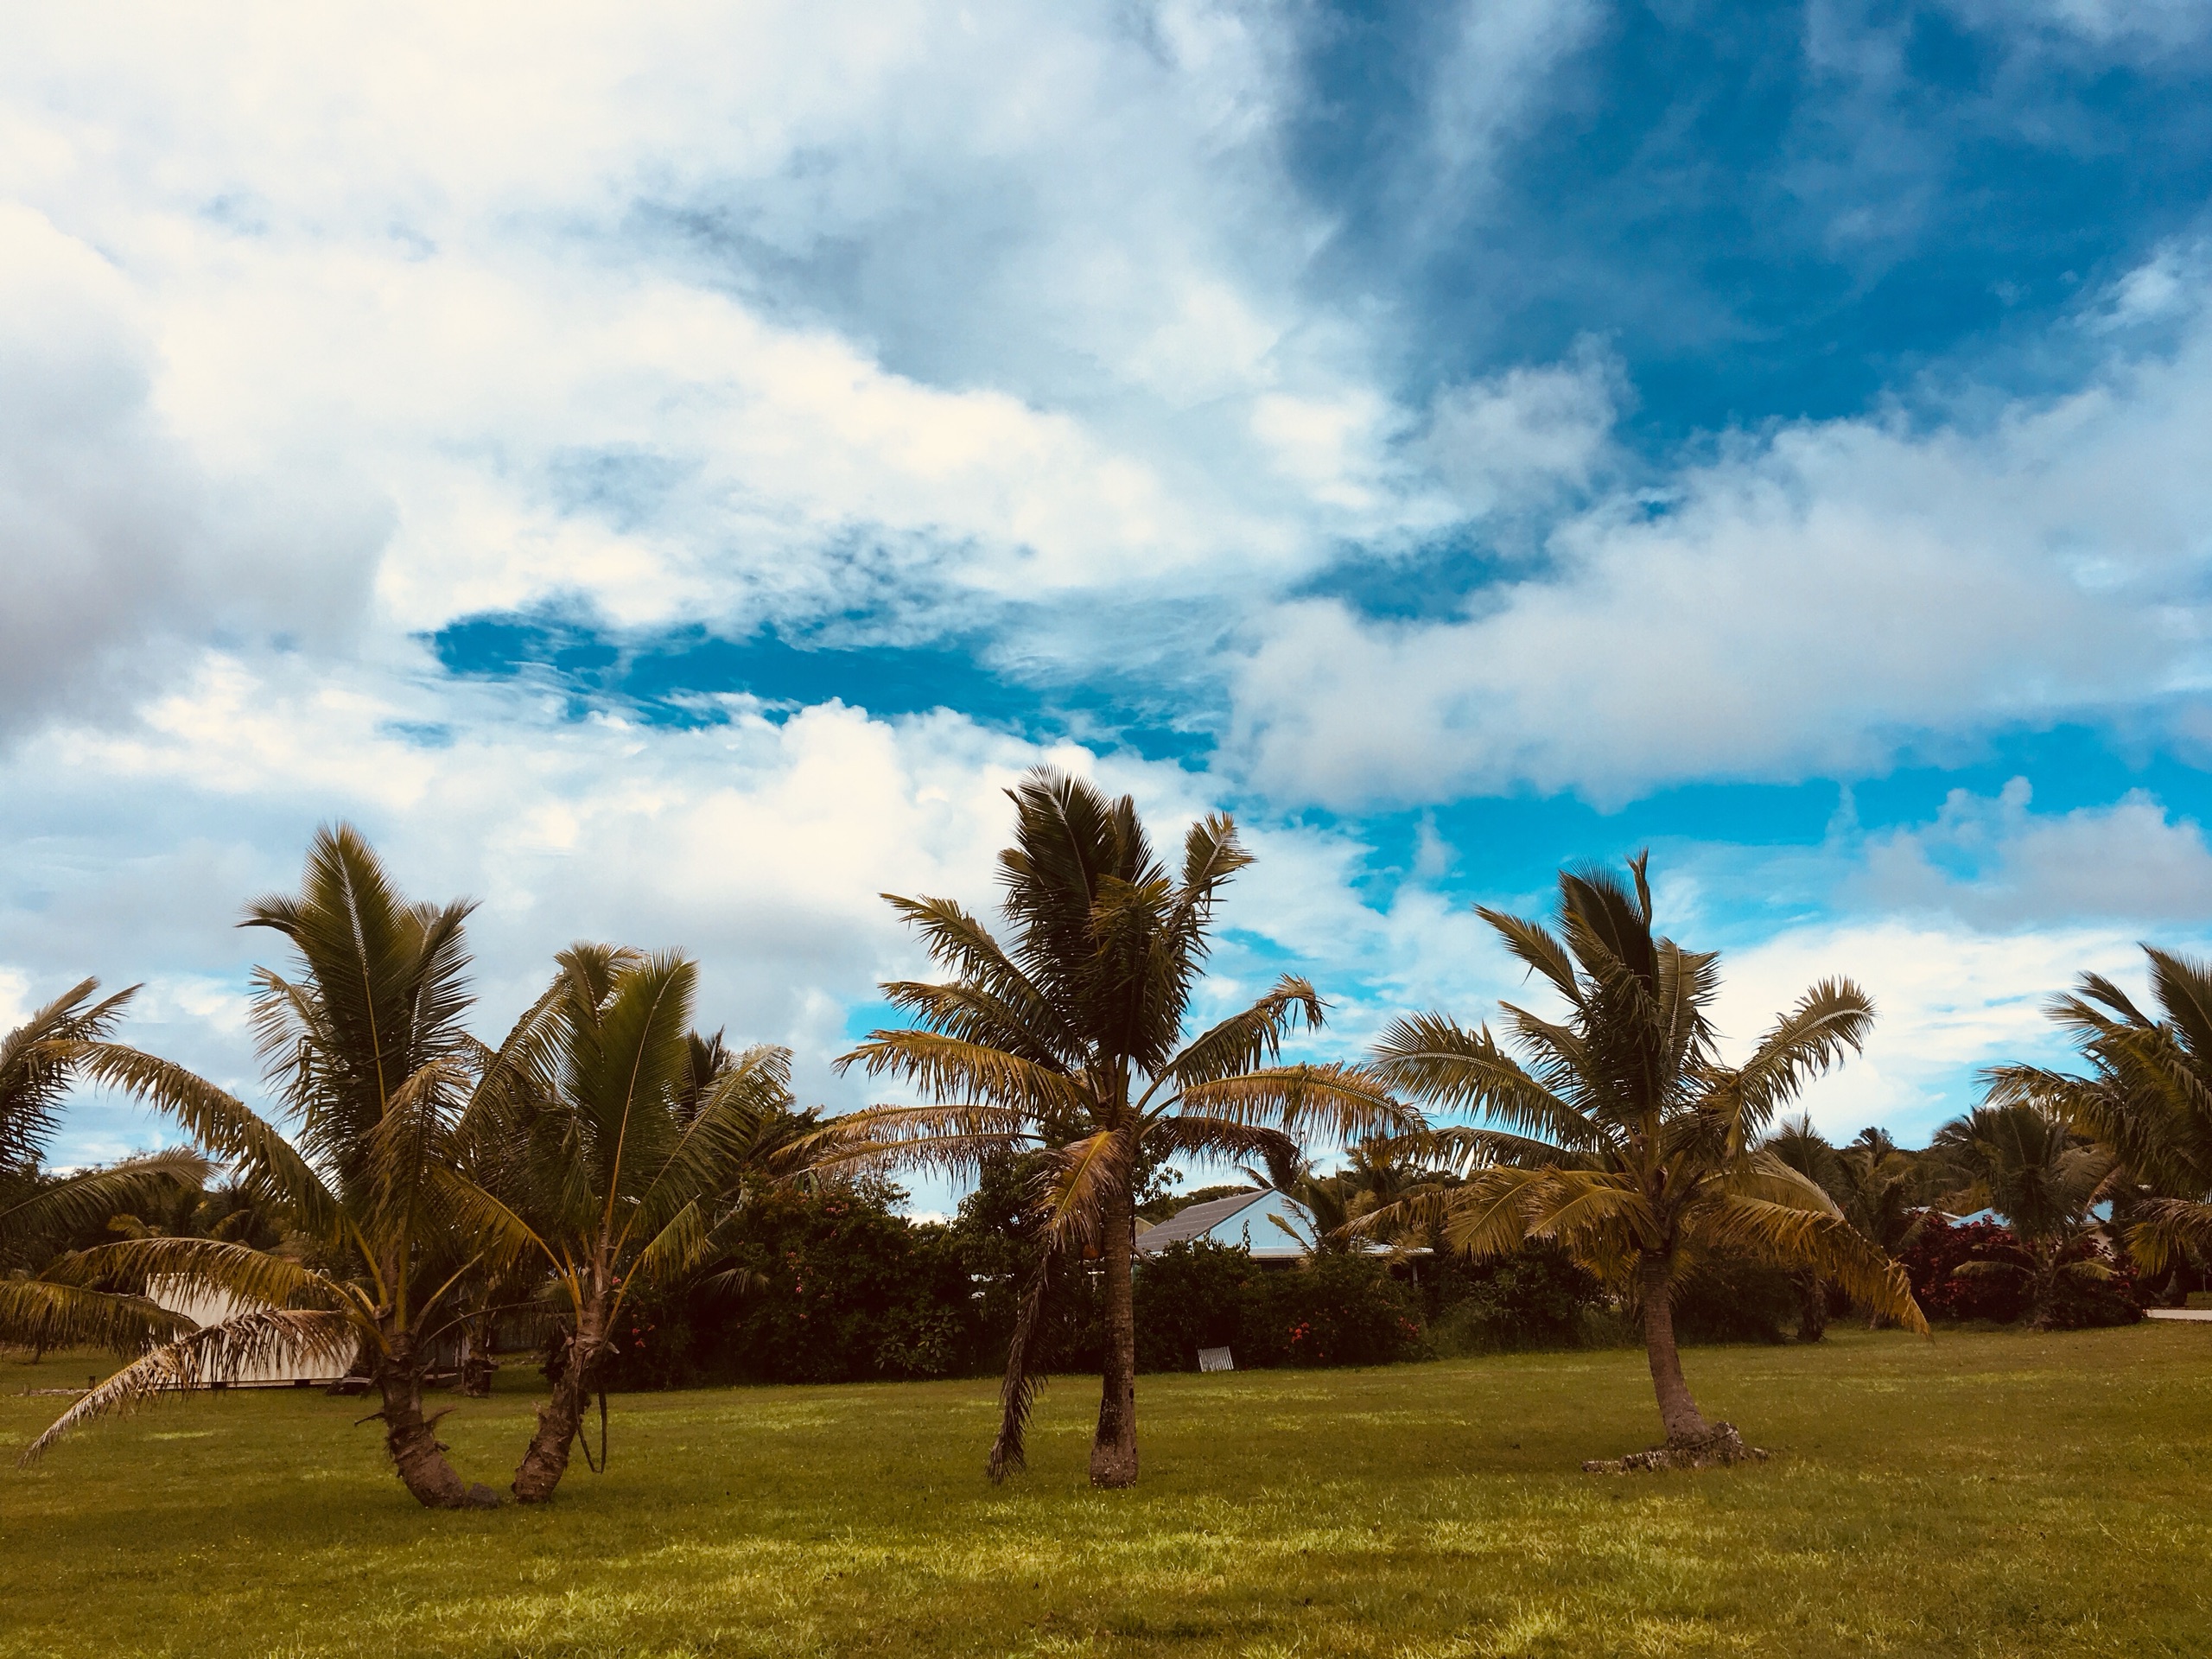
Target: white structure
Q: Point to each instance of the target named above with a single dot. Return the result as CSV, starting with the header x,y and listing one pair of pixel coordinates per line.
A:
x,y
283,1370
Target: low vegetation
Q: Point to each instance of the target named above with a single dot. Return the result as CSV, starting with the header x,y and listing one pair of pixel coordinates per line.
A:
x,y
1987,1495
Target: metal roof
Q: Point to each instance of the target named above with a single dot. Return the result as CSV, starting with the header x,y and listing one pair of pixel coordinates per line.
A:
x,y
1242,1220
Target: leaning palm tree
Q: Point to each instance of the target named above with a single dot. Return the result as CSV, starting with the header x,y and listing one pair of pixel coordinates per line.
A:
x,y
2147,1098
1069,1041
639,1130
38,1212
1623,1138
367,1049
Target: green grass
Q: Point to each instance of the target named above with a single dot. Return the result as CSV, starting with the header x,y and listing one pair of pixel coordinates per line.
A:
x,y
1982,1494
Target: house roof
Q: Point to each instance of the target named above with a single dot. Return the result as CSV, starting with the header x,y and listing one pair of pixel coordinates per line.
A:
x,y
1242,1220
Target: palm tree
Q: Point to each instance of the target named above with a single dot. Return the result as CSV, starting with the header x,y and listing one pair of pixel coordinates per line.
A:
x,y
641,1130
2147,1099
38,1062
1623,1137
1069,1040
367,1049
2027,1166
1795,1142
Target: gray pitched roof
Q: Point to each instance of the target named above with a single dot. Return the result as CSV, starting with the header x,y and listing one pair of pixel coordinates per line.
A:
x,y
1198,1219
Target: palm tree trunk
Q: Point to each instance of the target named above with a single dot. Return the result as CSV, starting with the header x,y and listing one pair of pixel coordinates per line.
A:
x,y
1812,1306
1677,1410
560,1418
412,1441
1114,1449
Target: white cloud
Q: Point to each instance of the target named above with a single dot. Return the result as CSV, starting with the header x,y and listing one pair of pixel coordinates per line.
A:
x,y
1994,863
1489,71
760,846
119,547
925,300
1803,604
1949,1001
1525,437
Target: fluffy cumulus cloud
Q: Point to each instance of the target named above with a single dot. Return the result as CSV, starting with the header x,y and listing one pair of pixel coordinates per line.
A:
x,y
760,847
1067,333
1948,1001
120,546
1802,605
1996,863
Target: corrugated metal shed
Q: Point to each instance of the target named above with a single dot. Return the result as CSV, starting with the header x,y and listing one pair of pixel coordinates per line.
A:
x,y
1242,1220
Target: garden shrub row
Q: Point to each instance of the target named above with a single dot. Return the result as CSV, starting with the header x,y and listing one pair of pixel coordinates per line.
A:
x,y
839,1287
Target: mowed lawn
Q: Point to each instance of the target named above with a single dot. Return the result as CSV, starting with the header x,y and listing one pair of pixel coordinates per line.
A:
x,y
1984,1494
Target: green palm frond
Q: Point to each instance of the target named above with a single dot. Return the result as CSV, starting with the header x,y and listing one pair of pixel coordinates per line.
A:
x,y
1488,1215
256,1278
952,1071
90,1197
1537,947
1192,1134
1588,1209
37,1061
1798,1235
2170,1230
1432,1057
1830,1021
1241,1042
219,1121
1337,1101
40,1313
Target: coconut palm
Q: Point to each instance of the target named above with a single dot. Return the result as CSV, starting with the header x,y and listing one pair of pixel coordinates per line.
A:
x,y
1795,1142
38,1212
367,1049
2029,1168
1069,1040
1622,1136
627,1154
2147,1098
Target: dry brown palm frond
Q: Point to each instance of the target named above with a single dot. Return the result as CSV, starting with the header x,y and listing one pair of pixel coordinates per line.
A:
x,y
214,1353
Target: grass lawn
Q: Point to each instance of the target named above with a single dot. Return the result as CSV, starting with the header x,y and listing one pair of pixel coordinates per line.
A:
x,y
1984,1494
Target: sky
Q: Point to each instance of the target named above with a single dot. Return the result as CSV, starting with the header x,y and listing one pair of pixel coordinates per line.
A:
x,y
664,471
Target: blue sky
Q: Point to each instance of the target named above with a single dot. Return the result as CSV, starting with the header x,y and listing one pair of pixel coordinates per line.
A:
x,y
663,474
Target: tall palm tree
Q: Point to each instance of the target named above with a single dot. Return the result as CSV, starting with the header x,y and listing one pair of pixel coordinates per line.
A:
x,y
1069,1040
2027,1166
2147,1098
38,1063
627,1151
367,1049
1623,1137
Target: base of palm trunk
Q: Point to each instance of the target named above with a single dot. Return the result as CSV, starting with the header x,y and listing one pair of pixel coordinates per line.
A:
x,y
1718,1446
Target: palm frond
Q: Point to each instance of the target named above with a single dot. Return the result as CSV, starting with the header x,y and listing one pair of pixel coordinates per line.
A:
x,y
1340,1102
257,1278
89,1198
40,1313
1786,1235
952,1071
1245,1039
214,1353
220,1122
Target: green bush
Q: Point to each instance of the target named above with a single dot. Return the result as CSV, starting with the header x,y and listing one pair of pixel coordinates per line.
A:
x,y
1535,1298
1727,1300
1332,1310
